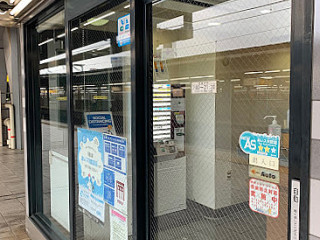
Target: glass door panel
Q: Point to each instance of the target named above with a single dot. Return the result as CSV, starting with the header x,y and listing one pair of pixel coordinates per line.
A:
x,y
101,85
53,114
220,119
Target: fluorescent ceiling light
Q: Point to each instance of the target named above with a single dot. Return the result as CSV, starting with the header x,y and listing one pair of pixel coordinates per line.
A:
x,y
61,35
99,18
19,7
282,77
251,73
286,70
127,6
178,79
214,24
272,71
235,80
196,77
95,46
266,77
265,11
45,42
162,80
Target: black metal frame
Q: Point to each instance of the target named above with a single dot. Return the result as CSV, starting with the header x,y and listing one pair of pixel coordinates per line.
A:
x,y
141,90
34,145
300,106
142,149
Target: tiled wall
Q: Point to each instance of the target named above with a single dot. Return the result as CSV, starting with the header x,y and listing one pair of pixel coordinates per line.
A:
x,y
314,229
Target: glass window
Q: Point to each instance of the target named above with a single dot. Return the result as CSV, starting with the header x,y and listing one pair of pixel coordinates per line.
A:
x,y
221,118
102,118
53,114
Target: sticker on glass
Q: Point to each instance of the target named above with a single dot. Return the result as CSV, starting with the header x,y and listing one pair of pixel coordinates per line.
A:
x,y
264,197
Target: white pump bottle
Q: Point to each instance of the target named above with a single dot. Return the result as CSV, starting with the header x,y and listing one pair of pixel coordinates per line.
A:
x,y
274,128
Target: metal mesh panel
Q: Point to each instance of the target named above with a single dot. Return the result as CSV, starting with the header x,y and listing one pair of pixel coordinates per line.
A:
x,y
227,66
101,83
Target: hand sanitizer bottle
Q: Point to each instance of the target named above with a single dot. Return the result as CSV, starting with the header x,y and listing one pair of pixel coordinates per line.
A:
x,y
274,128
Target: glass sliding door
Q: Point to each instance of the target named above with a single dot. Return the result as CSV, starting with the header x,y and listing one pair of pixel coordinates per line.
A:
x,y
101,87
47,121
221,77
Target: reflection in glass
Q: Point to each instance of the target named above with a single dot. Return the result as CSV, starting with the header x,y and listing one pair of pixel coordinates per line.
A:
x,y
101,85
54,129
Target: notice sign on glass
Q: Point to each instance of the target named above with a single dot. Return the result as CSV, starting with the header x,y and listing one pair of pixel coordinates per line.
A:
x,y
204,87
115,172
90,172
264,197
123,37
100,122
118,225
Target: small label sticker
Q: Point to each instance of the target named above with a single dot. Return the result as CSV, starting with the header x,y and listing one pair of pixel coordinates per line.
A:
x,y
204,87
264,161
295,209
260,144
264,174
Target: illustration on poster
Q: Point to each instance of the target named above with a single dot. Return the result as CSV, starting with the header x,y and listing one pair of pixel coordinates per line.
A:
x,y
91,167
90,172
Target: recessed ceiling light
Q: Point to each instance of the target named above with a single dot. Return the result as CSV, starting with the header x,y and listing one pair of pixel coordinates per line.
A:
x,y
127,6
214,24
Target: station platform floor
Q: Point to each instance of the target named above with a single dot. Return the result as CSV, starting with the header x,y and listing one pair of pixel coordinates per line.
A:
x,y
12,195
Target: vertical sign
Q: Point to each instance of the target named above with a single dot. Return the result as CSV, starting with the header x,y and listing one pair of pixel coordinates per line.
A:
x,y
115,172
295,209
123,37
90,172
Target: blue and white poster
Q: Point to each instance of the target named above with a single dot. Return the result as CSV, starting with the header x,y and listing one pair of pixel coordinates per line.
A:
x,y
115,172
100,121
90,172
260,144
123,37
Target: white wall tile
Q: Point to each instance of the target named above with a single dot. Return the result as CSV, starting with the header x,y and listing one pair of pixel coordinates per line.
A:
x,y
314,208
315,134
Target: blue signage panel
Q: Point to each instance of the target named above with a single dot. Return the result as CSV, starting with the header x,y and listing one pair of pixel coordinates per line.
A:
x,y
124,30
260,144
115,172
99,120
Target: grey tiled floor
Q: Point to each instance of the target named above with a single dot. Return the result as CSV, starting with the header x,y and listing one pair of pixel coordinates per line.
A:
x,y
12,195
